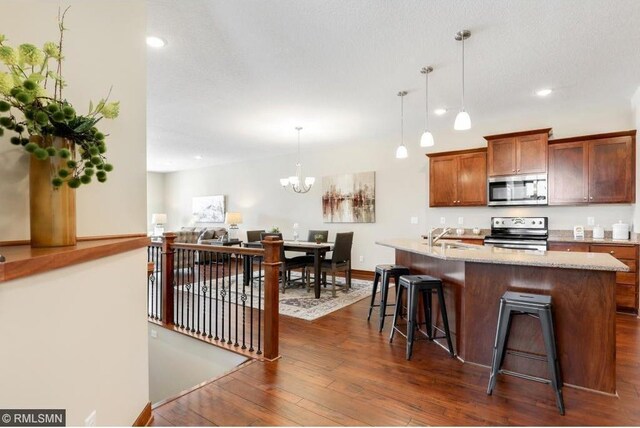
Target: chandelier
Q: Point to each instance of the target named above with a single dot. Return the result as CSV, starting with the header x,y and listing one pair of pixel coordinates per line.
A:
x,y
297,182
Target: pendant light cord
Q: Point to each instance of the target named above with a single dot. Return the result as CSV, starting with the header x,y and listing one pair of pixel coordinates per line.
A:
x,y
402,119
426,102
298,129
463,72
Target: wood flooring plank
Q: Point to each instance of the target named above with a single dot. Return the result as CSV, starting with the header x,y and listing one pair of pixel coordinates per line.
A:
x,y
339,370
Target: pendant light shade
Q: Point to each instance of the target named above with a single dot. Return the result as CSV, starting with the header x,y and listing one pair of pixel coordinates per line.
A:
x,y
401,151
427,138
463,120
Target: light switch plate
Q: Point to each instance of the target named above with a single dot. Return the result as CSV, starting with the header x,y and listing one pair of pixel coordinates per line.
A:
x,y
414,220
591,221
443,220
460,221
154,333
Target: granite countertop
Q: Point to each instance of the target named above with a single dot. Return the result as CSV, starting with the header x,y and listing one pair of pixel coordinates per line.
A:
x,y
481,254
554,236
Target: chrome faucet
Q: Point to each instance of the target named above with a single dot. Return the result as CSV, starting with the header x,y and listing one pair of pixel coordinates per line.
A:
x,y
431,240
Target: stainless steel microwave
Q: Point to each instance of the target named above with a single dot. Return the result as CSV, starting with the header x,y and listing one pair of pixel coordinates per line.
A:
x,y
517,190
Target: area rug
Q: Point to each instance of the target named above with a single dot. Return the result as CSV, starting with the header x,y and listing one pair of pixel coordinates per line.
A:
x,y
296,302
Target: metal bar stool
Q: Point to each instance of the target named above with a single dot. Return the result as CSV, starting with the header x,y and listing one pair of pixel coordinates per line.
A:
x,y
538,306
386,272
421,285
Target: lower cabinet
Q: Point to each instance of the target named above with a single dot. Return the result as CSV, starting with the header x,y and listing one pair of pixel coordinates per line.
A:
x,y
626,282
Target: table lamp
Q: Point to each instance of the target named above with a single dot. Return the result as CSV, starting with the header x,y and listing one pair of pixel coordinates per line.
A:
x,y
233,220
158,220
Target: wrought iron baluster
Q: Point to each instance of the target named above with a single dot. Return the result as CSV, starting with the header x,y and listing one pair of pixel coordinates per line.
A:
x,y
250,263
181,276
210,292
216,300
259,306
229,341
199,290
223,293
244,303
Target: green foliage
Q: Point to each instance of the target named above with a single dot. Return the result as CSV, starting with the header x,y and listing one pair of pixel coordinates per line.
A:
x,y
31,94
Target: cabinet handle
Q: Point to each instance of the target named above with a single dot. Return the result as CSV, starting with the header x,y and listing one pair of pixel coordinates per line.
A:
x,y
568,249
513,170
612,252
585,198
590,197
518,170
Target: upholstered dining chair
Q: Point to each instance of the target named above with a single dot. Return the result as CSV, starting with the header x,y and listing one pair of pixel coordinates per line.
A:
x,y
340,261
288,264
311,237
254,235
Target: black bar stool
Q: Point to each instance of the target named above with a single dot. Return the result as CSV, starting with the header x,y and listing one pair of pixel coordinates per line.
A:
x,y
386,272
421,285
538,306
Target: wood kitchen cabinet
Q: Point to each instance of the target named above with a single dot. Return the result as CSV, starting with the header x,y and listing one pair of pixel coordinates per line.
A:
x,y
626,282
458,178
518,153
592,169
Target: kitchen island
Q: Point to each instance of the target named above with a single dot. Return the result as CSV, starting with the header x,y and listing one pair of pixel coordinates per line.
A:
x,y
582,286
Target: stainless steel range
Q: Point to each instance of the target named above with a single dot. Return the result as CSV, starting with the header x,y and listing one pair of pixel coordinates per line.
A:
x,y
523,233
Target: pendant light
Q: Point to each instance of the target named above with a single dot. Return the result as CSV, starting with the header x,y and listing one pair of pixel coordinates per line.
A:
x,y
401,151
463,120
427,138
297,182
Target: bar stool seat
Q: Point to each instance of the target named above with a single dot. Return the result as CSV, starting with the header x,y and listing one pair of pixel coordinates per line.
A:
x,y
385,272
538,306
424,286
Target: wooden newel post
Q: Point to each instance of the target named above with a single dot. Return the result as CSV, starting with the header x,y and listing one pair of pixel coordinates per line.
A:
x,y
272,250
167,277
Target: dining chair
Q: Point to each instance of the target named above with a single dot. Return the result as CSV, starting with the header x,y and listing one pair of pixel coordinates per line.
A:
x,y
340,261
254,235
311,237
288,264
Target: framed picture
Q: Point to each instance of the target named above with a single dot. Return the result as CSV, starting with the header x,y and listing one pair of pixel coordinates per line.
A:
x,y
209,209
349,198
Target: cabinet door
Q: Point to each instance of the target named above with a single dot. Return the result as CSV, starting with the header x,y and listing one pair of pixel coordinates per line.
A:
x,y
569,246
531,154
611,170
568,174
472,179
443,181
502,156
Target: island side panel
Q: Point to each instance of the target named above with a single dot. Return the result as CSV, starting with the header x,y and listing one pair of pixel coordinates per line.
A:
x,y
452,275
584,316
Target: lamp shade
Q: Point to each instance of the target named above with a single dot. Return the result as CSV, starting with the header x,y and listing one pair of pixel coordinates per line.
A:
x,y
427,139
158,218
401,152
233,218
463,121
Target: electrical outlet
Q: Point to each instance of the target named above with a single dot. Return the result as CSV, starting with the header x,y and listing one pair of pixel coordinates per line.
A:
x,y
154,333
90,420
591,221
361,258
460,221
443,220
414,220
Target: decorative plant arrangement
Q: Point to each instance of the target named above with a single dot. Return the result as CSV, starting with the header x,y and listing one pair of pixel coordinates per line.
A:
x,y
274,229
319,237
33,107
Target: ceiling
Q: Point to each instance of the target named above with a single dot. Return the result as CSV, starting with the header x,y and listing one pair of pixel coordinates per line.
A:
x,y
237,76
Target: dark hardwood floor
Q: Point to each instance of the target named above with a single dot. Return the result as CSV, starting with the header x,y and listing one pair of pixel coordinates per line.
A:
x,y
339,370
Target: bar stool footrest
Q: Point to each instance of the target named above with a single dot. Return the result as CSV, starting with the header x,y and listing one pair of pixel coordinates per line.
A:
x,y
524,376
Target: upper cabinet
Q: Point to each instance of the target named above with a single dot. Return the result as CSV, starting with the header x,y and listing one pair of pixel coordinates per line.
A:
x,y
592,169
458,178
518,153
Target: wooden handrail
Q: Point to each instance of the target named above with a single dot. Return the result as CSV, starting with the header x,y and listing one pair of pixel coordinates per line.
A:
x,y
270,253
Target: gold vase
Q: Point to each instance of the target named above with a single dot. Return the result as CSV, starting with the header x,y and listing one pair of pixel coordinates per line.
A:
x,y
52,210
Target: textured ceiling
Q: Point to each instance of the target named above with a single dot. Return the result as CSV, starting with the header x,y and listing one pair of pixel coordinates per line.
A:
x,y
237,76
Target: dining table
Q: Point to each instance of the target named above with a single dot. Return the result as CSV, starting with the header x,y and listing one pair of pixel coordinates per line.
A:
x,y
318,250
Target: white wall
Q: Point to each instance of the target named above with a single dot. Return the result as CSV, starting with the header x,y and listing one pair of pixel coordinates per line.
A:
x,y
155,196
76,339
401,185
178,362
104,47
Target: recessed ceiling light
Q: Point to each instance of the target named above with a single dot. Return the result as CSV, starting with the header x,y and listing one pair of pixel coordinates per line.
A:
x,y
440,111
198,157
543,92
156,42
